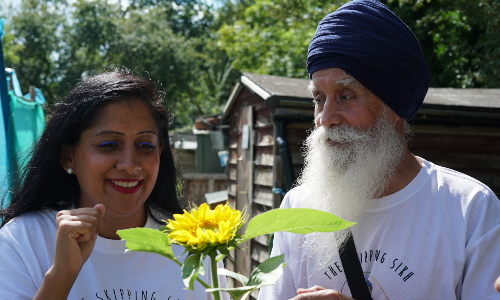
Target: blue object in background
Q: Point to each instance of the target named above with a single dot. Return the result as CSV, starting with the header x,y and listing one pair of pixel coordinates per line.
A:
x,y
4,121
223,157
4,90
39,98
16,86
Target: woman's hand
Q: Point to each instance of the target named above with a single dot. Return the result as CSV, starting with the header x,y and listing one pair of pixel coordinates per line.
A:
x,y
77,231
76,234
497,284
319,293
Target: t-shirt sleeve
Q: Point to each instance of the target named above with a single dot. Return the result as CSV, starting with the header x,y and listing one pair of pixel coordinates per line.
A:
x,y
15,279
482,264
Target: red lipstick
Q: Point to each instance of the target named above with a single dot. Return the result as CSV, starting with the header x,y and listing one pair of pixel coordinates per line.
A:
x,y
130,190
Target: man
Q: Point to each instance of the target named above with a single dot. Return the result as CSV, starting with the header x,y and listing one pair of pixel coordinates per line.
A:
x,y
423,231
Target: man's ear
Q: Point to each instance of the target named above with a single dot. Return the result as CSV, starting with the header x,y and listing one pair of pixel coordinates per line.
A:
x,y
66,157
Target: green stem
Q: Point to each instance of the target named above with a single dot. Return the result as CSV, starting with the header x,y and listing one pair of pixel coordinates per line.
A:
x,y
197,278
221,256
215,278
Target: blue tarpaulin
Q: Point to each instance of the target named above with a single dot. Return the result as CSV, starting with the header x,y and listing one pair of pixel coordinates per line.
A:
x,y
4,120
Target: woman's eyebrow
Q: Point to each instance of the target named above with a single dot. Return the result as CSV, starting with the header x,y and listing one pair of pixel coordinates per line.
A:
x,y
147,131
108,132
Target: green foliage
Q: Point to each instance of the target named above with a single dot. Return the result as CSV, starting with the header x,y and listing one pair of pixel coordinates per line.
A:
x,y
193,267
267,273
33,44
296,220
196,52
57,43
147,240
272,37
459,39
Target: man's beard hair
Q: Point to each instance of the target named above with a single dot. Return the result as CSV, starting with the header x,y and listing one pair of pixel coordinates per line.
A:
x,y
342,179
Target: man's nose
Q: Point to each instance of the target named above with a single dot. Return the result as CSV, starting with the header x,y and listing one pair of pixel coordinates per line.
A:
x,y
330,114
129,161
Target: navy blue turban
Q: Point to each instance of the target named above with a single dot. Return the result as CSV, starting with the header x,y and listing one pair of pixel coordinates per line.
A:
x,y
369,42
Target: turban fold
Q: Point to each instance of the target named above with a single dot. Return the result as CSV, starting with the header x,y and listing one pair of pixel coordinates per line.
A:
x,y
369,42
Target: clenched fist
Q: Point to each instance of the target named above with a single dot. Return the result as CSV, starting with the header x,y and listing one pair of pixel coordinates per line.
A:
x,y
77,231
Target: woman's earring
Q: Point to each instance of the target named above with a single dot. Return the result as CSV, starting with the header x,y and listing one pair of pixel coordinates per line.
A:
x,y
70,171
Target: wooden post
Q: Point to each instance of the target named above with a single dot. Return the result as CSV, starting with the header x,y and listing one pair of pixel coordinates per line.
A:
x,y
32,93
211,185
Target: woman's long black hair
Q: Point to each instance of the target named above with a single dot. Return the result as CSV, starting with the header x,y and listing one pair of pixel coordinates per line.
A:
x,y
45,184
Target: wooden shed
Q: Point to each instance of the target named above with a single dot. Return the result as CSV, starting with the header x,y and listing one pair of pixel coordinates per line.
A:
x,y
269,118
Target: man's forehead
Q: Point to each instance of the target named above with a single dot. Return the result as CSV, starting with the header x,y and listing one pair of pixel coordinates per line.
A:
x,y
335,78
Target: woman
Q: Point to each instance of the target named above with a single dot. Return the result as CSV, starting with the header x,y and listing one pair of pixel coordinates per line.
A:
x,y
102,164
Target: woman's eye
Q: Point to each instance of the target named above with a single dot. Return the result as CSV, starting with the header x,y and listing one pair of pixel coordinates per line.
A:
x,y
107,145
146,146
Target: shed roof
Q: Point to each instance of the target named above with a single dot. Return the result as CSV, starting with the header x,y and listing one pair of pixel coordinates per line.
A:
x,y
280,91
488,98
278,85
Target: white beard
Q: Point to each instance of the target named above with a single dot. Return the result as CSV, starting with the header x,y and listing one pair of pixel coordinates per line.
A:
x,y
342,179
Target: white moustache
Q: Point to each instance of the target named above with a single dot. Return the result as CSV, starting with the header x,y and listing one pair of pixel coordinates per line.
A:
x,y
343,134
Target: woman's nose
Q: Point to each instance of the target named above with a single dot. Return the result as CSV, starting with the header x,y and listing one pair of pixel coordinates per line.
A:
x,y
129,161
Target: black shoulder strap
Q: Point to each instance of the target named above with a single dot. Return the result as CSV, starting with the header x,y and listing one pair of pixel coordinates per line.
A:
x,y
352,266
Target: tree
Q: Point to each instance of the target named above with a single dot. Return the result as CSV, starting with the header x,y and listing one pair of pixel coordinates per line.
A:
x,y
171,42
272,37
459,39
33,45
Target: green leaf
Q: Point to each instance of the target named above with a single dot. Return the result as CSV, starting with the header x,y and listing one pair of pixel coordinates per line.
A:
x,y
147,240
296,220
267,273
236,293
237,276
191,268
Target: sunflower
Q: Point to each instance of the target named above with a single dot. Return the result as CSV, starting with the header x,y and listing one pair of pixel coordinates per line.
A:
x,y
203,227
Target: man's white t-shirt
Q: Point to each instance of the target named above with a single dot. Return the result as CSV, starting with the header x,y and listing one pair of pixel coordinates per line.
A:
x,y
27,246
438,238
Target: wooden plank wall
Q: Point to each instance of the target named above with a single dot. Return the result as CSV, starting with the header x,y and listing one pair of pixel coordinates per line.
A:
x,y
198,184
472,151
241,175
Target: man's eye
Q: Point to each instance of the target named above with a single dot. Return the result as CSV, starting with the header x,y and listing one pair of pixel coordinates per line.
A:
x,y
346,97
107,145
317,101
146,146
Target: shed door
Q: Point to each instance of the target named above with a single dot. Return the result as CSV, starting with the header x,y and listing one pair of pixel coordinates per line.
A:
x,y
244,190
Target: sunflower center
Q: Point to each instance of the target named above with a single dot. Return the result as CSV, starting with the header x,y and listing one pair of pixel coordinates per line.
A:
x,y
207,225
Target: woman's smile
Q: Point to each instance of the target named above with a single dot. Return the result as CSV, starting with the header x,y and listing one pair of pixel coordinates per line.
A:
x,y
126,186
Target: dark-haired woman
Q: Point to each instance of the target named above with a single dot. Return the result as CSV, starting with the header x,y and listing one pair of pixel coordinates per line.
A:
x,y
102,164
